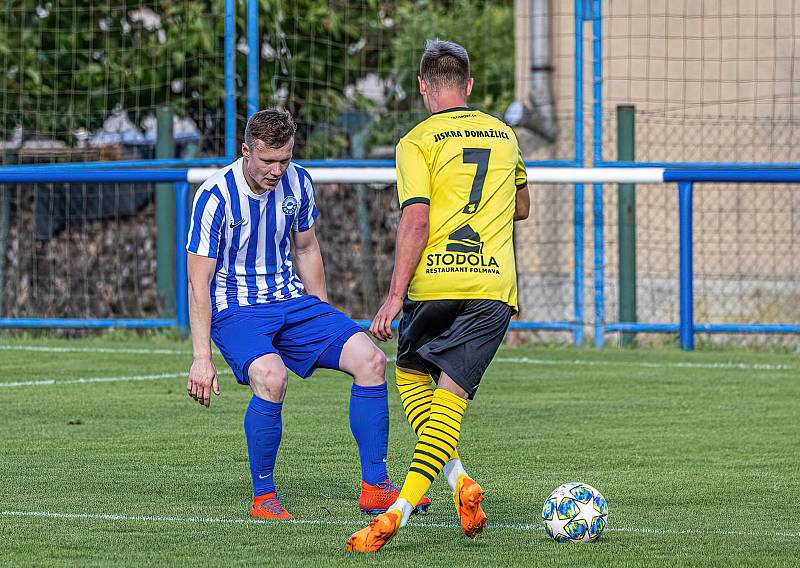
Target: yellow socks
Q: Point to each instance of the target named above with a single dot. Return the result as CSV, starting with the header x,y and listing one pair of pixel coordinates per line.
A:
x,y
416,392
438,438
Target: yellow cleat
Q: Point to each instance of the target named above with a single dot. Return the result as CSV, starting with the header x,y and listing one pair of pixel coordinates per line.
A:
x,y
467,497
379,532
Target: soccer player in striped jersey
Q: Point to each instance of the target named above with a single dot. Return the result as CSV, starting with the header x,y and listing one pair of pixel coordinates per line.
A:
x,y
461,183
257,289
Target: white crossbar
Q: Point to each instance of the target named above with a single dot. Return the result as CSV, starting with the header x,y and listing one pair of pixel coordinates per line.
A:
x,y
535,175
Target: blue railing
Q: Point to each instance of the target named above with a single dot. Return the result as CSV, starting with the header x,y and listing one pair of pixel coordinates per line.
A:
x,y
685,178
179,177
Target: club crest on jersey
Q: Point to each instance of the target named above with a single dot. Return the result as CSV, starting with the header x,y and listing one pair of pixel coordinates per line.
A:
x,y
289,205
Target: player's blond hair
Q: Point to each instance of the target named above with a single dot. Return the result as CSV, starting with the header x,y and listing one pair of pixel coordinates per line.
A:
x,y
444,65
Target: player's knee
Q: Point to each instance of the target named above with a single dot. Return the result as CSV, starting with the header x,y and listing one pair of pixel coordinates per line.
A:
x,y
371,370
377,367
268,380
379,362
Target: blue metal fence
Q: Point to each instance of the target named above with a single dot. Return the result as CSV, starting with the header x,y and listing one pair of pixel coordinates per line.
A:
x,y
179,177
685,178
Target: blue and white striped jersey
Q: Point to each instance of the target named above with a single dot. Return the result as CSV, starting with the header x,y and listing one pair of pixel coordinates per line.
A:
x,y
248,234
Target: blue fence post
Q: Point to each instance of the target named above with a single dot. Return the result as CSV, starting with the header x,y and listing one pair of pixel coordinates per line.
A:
x,y
579,229
599,266
686,271
181,278
577,198
253,54
230,78
597,189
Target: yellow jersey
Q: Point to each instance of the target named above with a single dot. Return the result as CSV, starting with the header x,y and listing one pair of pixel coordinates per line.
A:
x,y
466,165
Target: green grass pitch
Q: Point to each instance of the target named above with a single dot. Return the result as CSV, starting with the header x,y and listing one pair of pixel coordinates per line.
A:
x,y
104,460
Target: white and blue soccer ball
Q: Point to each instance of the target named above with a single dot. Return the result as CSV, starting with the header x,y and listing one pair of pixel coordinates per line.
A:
x,y
575,512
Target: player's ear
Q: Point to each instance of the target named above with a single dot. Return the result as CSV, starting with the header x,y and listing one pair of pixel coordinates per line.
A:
x,y
245,150
423,89
470,83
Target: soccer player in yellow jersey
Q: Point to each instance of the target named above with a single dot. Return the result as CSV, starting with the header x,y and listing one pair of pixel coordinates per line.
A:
x,y
461,183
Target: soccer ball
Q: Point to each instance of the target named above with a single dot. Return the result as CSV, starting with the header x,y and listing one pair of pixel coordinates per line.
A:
x,y
575,512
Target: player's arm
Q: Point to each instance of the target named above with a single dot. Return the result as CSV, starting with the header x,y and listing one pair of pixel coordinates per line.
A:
x,y
203,373
414,193
308,263
522,206
412,237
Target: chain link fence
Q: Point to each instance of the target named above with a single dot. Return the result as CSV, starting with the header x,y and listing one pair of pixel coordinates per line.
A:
x,y
78,251
711,82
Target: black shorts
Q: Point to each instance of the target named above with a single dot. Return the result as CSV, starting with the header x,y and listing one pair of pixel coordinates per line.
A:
x,y
459,337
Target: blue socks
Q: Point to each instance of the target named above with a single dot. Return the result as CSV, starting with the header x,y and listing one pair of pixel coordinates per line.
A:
x,y
369,423
263,428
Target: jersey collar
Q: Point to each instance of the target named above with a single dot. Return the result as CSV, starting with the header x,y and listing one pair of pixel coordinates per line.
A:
x,y
454,109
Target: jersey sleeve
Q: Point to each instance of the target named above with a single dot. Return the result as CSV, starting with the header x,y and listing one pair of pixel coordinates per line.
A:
x,y
307,212
208,223
413,175
520,173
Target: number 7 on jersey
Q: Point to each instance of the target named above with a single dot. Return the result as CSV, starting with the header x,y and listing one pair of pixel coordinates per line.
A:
x,y
479,156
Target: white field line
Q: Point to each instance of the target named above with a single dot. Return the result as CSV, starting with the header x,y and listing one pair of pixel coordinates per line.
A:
x,y
520,360
89,380
86,380
590,363
418,524
45,349
517,360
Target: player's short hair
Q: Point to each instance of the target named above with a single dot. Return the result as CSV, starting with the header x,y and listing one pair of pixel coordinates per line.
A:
x,y
272,126
444,65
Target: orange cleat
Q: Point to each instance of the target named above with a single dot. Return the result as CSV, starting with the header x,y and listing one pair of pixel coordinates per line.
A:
x,y
467,497
268,506
379,532
376,499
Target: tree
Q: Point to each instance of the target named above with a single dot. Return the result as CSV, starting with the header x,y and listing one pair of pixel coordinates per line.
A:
x,y
321,50
67,64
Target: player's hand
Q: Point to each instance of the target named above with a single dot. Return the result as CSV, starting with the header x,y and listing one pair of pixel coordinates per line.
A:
x,y
202,380
381,327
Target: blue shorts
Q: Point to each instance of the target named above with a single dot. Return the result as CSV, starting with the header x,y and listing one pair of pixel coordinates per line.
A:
x,y
305,332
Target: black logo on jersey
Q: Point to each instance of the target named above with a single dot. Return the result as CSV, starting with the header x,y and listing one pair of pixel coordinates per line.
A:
x,y
465,239
464,254
239,223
